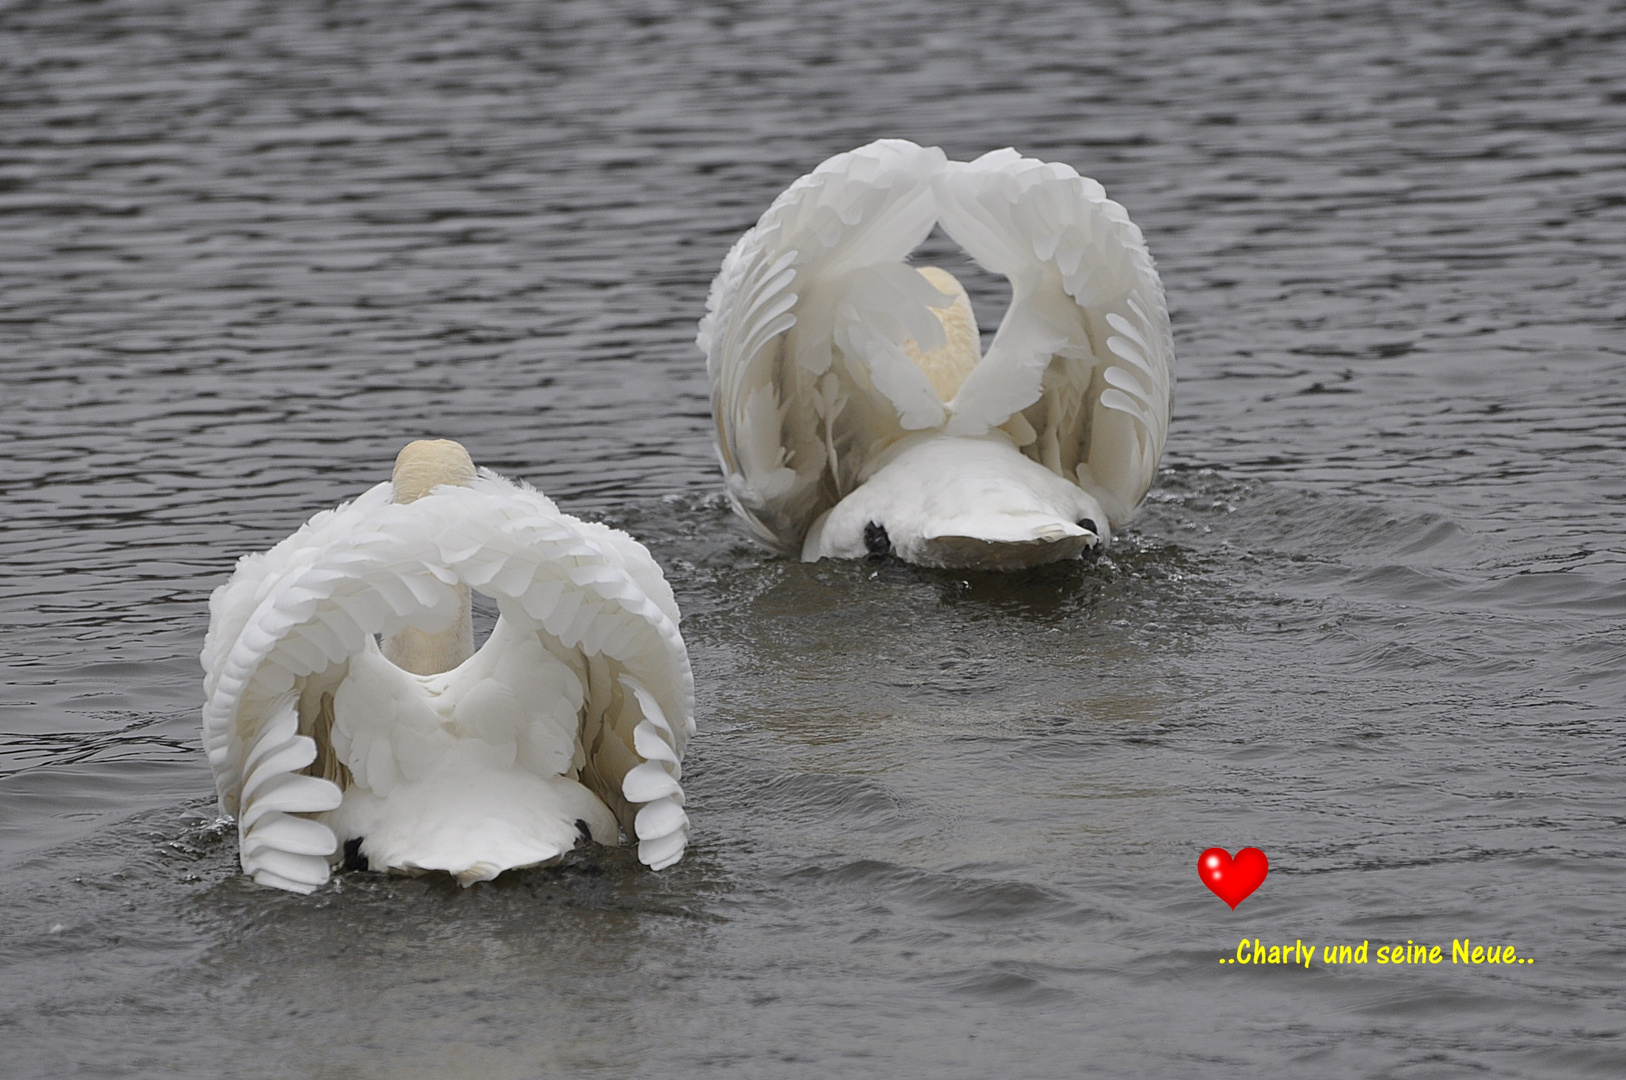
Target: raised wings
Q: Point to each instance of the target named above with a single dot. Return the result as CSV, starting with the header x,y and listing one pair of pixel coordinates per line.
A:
x,y
811,320
286,628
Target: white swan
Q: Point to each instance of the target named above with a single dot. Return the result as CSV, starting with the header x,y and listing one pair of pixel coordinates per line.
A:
x,y
854,411
568,723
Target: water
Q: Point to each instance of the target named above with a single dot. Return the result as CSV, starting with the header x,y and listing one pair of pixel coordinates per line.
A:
x,y
1372,621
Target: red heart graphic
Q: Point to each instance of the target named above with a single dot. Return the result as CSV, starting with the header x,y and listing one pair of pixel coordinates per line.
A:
x,y
1233,880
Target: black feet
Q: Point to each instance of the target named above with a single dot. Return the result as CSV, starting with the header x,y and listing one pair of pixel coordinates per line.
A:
x,y
353,858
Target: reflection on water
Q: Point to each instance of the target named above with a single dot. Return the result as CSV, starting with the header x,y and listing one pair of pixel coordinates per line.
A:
x,y
1371,620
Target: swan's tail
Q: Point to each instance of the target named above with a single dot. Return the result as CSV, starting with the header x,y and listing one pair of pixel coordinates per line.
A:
x,y
472,826
1006,542
972,503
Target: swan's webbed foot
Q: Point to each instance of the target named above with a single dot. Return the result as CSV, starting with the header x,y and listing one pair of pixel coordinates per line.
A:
x,y
353,858
1094,550
876,541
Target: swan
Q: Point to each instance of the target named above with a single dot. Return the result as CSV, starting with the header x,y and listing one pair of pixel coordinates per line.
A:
x,y
855,412
418,752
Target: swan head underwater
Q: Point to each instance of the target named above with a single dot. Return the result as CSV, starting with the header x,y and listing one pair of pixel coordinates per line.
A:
x,y
567,724
856,413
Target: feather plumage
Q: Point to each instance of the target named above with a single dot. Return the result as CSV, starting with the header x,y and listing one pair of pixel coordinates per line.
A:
x,y
316,738
819,341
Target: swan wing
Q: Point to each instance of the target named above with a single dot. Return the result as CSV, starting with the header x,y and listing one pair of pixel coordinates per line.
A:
x,y
593,590
286,629
804,335
1080,370
252,728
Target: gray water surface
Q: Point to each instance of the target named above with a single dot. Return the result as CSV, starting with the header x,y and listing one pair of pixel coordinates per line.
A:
x,y
1372,621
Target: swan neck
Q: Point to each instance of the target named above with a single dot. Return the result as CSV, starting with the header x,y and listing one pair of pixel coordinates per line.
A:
x,y
421,467
948,366
411,649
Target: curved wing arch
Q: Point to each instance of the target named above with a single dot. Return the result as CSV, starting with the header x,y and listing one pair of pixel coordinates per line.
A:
x,y
1079,372
804,335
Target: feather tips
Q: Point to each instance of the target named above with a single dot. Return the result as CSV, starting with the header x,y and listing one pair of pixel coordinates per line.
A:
x,y
1075,262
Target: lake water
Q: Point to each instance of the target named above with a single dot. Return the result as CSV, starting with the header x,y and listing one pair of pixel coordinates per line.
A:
x,y
1372,621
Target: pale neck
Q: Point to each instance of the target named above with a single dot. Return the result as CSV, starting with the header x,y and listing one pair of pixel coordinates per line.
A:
x,y
947,366
413,650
